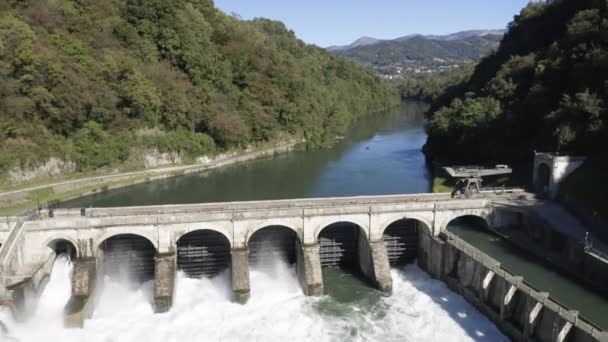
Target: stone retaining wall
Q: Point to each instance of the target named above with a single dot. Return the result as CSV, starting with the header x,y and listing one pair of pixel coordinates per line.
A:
x,y
11,198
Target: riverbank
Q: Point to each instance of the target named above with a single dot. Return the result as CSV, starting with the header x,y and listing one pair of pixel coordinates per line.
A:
x,y
379,155
16,201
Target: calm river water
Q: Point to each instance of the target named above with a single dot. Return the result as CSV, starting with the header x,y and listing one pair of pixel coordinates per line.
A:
x,y
380,155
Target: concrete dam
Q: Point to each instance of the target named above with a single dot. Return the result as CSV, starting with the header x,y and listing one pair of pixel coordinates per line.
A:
x,y
368,234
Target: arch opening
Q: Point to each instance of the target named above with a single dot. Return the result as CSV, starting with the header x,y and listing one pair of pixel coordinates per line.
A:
x,y
63,247
128,257
468,222
339,245
270,244
543,178
203,253
401,239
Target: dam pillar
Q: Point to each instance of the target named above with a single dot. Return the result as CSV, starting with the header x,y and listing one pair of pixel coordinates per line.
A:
x,y
80,305
24,298
431,255
374,264
164,281
240,275
534,305
308,266
507,293
6,297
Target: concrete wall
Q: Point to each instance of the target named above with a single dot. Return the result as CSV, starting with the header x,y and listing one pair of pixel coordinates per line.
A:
x,y
518,310
537,236
81,303
560,167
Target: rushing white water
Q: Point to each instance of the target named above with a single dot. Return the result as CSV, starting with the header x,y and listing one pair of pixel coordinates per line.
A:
x,y
420,309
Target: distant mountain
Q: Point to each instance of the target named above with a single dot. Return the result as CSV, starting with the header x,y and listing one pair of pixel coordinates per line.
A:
x,y
363,41
418,53
468,34
422,50
366,41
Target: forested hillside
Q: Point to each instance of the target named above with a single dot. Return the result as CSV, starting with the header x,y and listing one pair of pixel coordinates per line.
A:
x,y
422,50
545,88
98,81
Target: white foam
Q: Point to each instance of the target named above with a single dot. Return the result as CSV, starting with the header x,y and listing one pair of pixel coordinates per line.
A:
x,y
420,309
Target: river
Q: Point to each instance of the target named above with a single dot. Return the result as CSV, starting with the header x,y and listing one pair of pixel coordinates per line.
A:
x,y
380,155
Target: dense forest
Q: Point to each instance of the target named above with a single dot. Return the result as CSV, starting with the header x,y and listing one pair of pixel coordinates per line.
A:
x,y
97,82
545,89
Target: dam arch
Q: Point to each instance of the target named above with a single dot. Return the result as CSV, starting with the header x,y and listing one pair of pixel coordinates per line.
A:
x,y
63,245
402,238
270,242
470,220
203,253
128,256
339,244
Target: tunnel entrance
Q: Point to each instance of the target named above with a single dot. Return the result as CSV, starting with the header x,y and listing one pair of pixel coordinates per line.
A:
x,y
401,238
271,243
63,247
338,245
468,222
543,179
128,256
203,253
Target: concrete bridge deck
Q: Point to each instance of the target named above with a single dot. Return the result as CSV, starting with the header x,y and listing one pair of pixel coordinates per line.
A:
x,y
305,203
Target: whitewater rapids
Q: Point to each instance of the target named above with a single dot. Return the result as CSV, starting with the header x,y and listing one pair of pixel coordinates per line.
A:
x,y
420,309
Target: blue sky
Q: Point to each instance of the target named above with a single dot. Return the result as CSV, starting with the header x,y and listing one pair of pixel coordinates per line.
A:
x,y
339,22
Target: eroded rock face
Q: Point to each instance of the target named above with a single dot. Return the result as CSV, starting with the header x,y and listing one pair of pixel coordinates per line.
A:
x,y
52,167
155,158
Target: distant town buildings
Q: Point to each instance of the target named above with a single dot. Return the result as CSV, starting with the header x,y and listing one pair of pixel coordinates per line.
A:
x,y
400,71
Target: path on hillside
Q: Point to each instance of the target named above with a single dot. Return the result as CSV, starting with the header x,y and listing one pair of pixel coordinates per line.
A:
x,y
221,161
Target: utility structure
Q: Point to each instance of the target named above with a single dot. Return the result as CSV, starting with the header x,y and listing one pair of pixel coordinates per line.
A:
x,y
469,178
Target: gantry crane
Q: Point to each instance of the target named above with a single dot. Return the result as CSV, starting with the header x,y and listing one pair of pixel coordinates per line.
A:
x,y
469,178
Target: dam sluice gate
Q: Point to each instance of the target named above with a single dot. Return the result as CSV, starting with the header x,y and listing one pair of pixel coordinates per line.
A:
x,y
358,240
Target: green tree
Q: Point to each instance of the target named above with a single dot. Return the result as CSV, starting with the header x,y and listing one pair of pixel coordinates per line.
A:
x,y
579,119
